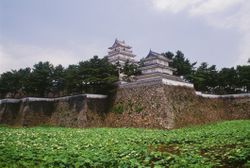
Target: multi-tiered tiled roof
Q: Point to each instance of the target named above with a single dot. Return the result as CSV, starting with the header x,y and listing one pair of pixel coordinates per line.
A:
x,y
120,52
156,63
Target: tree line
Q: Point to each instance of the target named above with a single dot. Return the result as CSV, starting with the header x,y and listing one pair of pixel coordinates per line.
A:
x,y
208,79
97,75
45,80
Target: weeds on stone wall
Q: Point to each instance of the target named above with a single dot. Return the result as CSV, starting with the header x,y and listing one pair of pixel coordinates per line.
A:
x,y
119,109
138,108
130,105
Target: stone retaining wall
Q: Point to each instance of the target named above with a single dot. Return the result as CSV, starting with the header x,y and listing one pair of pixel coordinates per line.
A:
x,y
157,105
74,111
153,104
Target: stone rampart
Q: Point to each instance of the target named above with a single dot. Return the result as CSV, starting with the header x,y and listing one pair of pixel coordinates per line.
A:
x,y
84,110
157,104
153,104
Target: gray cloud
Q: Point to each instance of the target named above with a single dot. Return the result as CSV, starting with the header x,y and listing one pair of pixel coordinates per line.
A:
x,y
221,14
14,56
66,32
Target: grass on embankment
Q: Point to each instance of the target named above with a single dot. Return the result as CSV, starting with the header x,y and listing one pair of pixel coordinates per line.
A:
x,y
225,144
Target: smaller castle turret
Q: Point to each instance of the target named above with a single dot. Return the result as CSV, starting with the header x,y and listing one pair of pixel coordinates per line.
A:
x,y
156,66
156,63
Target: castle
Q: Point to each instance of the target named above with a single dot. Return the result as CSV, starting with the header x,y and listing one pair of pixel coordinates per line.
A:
x,y
156,99
120,53
155,65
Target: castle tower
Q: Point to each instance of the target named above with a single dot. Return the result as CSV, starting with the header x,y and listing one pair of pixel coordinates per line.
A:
x,y
156,68
156,63
120,52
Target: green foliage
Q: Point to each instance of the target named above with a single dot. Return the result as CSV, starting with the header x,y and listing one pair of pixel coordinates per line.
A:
x,y
119,109
205,78
8,83
244,77
223,144
210,80
169,55
72,80
58,82
91,76
138,108
182,65
97,75
14,81
130,69
225,81
41,78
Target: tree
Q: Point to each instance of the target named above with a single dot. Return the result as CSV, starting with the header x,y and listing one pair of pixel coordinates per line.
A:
x,y
97,75
212,79
168,55
244,77
205,78
8,83
15,82
227,81
183,65
72,80
58,82
23,78
41,79
199,77
130,69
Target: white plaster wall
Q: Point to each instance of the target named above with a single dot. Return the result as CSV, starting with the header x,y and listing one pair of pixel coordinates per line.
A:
x,y
156,61
223,96
176,83
162,62
31,99
161,70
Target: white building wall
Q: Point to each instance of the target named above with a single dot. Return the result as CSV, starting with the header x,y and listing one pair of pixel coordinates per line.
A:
x,y
159,70
32,99
162,62
121,58
223,96
176,83
156,61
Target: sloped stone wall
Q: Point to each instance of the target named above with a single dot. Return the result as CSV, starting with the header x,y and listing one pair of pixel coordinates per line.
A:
x,y
144,106
151,105
74,111
163,106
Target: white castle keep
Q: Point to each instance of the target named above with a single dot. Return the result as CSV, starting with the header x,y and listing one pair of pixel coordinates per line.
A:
x,y
120,53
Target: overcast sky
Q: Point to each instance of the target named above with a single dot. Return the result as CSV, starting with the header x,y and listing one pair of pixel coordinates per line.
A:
x,y
68,31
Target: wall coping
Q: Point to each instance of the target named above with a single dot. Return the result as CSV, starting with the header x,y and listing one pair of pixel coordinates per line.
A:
x,y
32,99
155,80
222,96
176,83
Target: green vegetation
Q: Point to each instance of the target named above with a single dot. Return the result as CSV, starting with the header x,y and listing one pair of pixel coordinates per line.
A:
x,y
225,144
92,76
118,109
210,80
138,108
98,76
45,80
